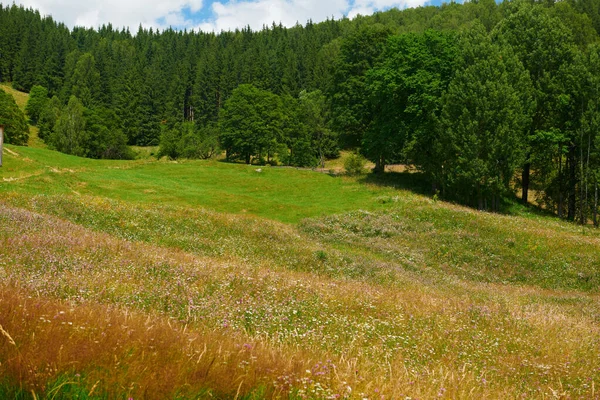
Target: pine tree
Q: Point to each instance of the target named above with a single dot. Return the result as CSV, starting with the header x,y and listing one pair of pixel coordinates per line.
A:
x,y
16,130
38,97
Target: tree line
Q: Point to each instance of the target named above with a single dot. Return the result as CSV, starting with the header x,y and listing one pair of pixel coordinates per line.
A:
x,y
481,97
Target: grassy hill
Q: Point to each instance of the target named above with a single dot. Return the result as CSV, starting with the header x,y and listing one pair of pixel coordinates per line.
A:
x,y
21,100
201,279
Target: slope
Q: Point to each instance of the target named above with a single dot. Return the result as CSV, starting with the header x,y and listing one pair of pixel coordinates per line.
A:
x,y
281,284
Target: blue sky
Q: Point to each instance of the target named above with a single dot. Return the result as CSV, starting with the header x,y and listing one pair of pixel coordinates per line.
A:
x,y
207,15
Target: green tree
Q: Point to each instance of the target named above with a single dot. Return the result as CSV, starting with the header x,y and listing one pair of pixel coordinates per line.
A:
x,y
187,140
315,115
485,116
405,92
206,96
250,123
28,61
543,44
354,164
104,138
16,130
48,117
85,81
201,142
69,135
169,143
296,134
38,98
358,53
591,131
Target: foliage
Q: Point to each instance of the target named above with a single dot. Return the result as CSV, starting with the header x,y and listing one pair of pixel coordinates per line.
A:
x,y
251,124
85,80
544,45
359,52
486,114
106,140
38,97
69,134
189,141
48,117
138,283
315,114
405,95
201,142
16,130
354,164
306,132
378,83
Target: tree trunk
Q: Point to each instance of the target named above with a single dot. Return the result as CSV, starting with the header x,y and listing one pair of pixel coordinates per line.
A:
x,y
525,181
582,185
379,165
560,187
321,158
572,189
596,204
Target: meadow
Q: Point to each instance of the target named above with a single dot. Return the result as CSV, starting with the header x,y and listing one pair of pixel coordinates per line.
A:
x,y
151,279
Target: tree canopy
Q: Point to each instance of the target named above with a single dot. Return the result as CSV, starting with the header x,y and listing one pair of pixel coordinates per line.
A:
x,y
482,98
16,130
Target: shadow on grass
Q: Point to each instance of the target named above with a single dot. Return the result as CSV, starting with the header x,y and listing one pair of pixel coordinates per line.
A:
x,y
418,183
513,206
412,181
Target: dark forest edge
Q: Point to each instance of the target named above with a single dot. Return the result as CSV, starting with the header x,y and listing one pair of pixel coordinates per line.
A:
x,y
471,95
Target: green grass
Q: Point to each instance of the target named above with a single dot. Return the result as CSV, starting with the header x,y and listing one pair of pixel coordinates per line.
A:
x,y
339,282
281,194
20,97
145,152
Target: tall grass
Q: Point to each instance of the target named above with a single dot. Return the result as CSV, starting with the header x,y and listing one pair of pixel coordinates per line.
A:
x,y
280,194
277,322
153,279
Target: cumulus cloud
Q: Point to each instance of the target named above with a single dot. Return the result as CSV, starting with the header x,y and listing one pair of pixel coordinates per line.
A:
x,y
218,16
121,13
257,13
368,7
235,14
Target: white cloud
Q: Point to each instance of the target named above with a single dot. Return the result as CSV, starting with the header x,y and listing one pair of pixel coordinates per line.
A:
x,y
224,14
121,13
237,14
257,13
385,4
360,10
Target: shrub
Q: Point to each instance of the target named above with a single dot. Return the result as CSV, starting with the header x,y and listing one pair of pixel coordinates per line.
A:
x,y
355,164
16,130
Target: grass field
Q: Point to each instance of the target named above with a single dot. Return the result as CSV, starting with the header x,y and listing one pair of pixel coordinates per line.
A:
x,y
201,279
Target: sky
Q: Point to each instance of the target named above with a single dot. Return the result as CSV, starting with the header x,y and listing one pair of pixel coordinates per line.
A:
x,y
207,15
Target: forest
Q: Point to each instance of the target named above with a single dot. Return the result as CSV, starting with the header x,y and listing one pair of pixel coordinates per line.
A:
x,y
485,99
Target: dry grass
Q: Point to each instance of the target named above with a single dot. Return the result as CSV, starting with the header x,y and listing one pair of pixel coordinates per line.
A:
x,y
136,318
64,349
405,297
20,97
34,139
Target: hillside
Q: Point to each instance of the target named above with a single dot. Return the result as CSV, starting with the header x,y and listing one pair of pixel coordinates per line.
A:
x,y
155,279
21,100
483,98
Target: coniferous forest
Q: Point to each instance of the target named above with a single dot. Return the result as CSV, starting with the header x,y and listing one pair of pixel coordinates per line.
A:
x,y
484,99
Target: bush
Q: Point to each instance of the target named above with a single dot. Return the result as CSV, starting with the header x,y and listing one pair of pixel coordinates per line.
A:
x,y
355,164
187,140
16,130
38,98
